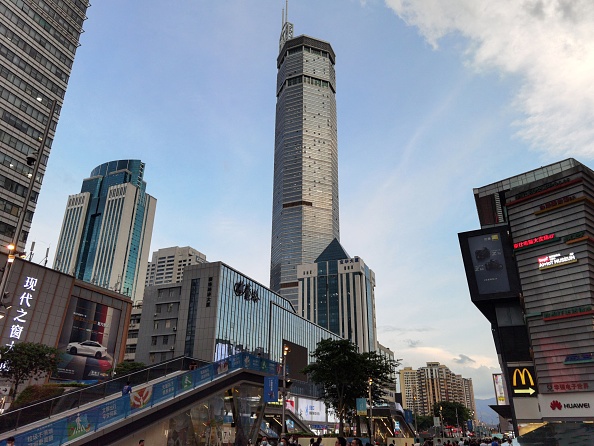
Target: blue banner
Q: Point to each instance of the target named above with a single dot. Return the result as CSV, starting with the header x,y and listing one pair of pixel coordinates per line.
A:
x,y
164,390
203,374
271,389
361,406
112,411
408,416
52,434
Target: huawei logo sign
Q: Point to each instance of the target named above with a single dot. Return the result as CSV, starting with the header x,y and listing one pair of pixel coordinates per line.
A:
x,y
556,405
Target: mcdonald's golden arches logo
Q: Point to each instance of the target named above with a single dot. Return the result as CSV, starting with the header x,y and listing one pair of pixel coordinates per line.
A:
x,y
522,380
522,374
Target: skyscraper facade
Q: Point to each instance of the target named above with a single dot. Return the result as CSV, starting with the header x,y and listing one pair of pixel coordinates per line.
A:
x,y
337,292
37,47
423,388
107,228
305,196
167,264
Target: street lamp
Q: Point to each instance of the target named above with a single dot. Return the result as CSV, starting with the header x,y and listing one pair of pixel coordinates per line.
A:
x,y
370,412
284,393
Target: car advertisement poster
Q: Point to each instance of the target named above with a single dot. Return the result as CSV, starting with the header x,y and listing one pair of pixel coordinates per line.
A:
x,y
88,341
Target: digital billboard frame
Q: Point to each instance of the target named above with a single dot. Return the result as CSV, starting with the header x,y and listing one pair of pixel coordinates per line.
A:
x,y
492,276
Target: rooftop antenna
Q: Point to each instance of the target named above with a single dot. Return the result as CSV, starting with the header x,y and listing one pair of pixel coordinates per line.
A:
x,y
287,28
32,249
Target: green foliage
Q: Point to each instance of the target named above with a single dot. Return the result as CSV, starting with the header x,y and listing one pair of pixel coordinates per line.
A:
x,y
424,422
32,394
448,412
344,375
125,368
27,360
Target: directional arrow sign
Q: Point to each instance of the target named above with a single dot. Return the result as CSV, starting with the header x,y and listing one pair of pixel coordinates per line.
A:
x,y
529,390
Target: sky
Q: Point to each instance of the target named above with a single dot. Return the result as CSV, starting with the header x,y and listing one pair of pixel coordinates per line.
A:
x,y
434,98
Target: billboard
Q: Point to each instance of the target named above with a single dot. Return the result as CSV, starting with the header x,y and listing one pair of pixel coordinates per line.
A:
x,y
311,410
488,260
88,340
499,389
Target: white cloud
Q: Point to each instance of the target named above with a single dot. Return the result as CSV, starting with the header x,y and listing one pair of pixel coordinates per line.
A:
x,y
548,44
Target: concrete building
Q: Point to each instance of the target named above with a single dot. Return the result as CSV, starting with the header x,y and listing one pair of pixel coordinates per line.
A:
x,y
421,389
305,214
87,323
107,229
337,292
530,271
37,48
214,312
167,264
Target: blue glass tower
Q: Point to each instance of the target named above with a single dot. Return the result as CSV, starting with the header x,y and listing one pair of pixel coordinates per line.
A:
x,y
107,228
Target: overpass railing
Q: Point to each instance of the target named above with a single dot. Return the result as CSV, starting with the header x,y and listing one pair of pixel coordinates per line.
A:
x,y
106,409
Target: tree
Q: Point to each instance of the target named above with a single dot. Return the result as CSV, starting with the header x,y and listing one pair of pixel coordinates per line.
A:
x,y
449,411
125,368
344,375
27,360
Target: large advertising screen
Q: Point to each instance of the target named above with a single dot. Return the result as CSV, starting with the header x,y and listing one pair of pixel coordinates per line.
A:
x,y
88,340
488,261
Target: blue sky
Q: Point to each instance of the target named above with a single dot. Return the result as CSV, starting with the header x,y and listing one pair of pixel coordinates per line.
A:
x,y
434,97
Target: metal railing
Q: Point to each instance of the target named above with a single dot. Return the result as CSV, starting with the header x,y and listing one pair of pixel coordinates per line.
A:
x,y
13,419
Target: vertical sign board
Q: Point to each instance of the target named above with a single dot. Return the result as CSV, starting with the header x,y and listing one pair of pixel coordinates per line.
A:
x,y
361,406
271,389
499,389
523,381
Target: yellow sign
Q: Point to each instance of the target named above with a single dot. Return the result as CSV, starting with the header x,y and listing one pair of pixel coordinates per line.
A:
x,y
522,374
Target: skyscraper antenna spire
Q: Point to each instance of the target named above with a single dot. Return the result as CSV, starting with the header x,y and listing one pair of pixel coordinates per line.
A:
x,y
287,28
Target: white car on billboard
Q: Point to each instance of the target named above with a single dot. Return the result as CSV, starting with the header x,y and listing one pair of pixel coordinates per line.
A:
x,y
87,348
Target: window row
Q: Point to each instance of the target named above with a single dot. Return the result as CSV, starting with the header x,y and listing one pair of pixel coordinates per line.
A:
x,y
75,33
20,146
52,49
14,209
21,125
65,7
60,38
16,188
35,54
33,72
23,106
19,167
26,87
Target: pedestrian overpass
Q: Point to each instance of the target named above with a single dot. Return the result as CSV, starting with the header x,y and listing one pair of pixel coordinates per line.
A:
x,y
174,403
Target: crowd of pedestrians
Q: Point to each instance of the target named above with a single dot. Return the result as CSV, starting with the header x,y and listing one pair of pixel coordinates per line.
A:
x,y
465,442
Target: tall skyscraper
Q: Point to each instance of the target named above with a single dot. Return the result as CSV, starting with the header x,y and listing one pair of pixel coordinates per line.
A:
x,y
337,292
305,196
106,233
38,41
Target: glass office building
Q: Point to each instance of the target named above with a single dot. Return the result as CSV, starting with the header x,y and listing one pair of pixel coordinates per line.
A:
x,y
215,312
37,46
107,229
337,292
305,213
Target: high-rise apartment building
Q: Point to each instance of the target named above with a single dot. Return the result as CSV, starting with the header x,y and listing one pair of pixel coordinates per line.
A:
x,y
421,389
305,196
167,264
530,271
107,229
38,42
337,292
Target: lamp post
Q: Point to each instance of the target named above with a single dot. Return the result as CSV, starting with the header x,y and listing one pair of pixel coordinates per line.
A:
x,y
370,411
284,393
441,419
32,160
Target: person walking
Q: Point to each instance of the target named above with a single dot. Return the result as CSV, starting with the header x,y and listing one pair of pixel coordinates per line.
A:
x,y
126,389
